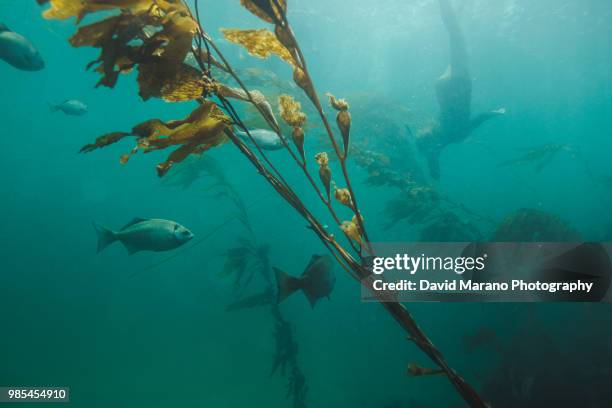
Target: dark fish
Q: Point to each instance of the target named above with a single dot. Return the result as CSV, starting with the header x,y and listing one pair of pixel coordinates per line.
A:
x,y
70,107
316,281
16,50
145,235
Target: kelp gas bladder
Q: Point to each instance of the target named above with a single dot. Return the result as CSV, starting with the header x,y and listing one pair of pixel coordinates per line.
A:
x,y
155,37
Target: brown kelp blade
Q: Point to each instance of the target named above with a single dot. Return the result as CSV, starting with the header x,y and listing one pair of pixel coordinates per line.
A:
x,y
179,84
291,111
267,10
202,130
64,9
260,43
155,36
103,141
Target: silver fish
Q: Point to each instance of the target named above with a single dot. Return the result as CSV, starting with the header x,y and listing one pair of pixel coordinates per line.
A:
x,y
16,50
266,139
70,107
145,235
316,281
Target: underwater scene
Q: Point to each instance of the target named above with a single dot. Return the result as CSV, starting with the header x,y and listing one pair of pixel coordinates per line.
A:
x,y
192,190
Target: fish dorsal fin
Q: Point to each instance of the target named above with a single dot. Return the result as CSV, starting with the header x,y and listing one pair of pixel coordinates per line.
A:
x,y
3,28
133,222
313,259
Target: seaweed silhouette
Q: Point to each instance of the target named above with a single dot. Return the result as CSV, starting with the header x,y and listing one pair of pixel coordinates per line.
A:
x,y
253,256
540,157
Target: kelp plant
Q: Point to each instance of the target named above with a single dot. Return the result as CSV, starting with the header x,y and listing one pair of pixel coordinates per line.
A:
x,y
419,203
251,255
155,37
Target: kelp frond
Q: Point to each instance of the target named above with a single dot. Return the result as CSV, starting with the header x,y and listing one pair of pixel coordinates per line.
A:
x,y
267,10
291,111
65,9
532,225
541,156
203,129
259,43
153,36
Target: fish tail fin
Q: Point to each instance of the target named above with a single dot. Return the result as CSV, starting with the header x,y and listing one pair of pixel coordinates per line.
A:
x,y
105,236
52,108
286,284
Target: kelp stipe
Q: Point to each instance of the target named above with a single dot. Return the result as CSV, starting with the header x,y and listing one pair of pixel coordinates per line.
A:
x,y
155,37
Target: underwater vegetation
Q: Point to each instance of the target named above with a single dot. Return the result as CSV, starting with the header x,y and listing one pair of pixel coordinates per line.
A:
x,y
522,375
285,359
253,256
195,168
449,227
541,156
529,225
154,38
418,202
249,264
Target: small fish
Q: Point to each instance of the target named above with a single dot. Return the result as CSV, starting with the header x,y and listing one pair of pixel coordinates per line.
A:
x,y
70,107
145,235
266,139
316,281
17,51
